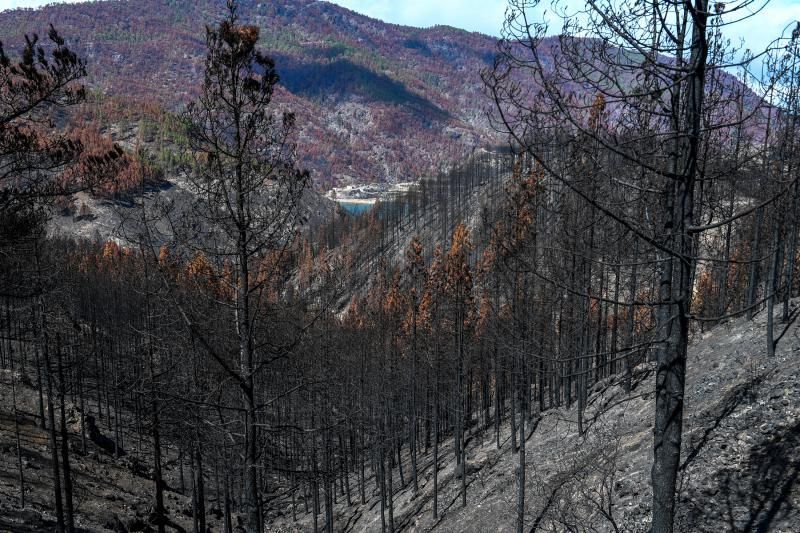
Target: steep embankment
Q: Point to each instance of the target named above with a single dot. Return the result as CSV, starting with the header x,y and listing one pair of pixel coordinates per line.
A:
x,y
103,218
741,460
109,493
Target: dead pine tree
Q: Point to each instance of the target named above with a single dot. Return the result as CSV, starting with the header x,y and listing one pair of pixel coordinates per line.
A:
x,y
246,197
653,155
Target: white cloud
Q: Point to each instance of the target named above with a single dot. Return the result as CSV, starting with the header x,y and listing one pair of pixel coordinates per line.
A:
x,y
757,31
13,4
485,16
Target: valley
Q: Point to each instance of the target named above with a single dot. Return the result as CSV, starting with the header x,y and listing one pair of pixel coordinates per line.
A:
x,y
280,266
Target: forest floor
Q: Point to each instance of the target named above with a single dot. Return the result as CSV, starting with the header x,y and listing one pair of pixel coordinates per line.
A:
x,y
739,472
110,493
740,461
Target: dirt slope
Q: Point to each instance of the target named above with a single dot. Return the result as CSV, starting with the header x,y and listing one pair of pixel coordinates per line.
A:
x,y
741,456
741,460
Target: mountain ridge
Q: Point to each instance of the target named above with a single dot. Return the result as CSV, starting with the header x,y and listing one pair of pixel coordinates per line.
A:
x,y
376,102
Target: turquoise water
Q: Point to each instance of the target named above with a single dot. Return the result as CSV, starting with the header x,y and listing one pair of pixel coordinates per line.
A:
x,y
355,208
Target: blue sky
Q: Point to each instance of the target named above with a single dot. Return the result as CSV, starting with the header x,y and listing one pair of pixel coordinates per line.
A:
x,y
486,16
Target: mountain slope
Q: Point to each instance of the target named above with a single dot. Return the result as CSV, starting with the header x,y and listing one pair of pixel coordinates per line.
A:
x,y
740,462
375,101
740,458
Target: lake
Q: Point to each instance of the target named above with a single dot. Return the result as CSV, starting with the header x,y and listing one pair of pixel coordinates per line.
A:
x,y
355,208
